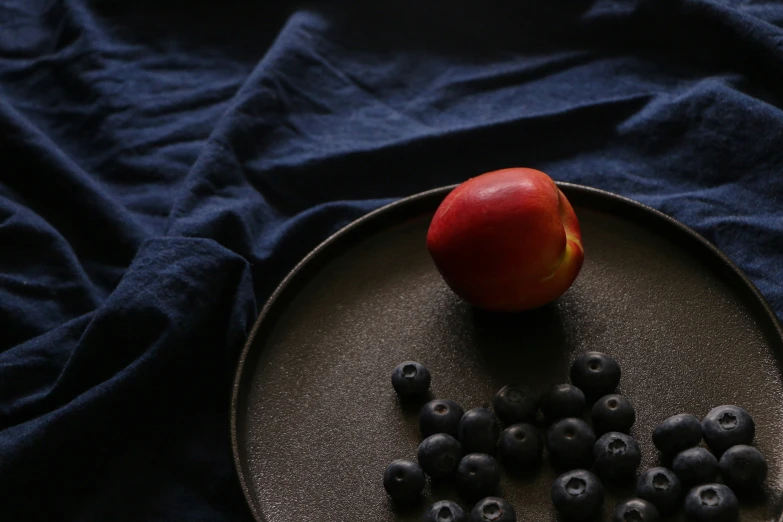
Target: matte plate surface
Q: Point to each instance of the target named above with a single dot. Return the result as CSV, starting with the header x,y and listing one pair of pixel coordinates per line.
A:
x,y
315,419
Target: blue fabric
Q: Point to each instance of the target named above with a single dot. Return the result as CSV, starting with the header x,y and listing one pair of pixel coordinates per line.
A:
x,y
163,165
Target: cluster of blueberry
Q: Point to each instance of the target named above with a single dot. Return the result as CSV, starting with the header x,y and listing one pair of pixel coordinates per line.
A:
x,y
728,432
463,446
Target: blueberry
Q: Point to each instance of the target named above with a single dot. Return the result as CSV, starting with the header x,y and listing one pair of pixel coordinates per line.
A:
x,y
440,416
596,374
445,511
677,433
695,466
403,480
521,447
493,509
478,431
727,426
570,443
616,456
439,455
561,401
743,468
660,487
613,413
577,495
636,510
478,476
411,378
515,404
711,503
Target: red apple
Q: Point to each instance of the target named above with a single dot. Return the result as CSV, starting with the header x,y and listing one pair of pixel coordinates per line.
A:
x,y
507,240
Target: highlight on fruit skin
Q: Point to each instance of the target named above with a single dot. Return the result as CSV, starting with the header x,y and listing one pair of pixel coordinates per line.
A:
x,y
507,240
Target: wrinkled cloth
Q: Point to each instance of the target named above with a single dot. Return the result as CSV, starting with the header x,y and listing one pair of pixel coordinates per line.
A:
x,y
163,165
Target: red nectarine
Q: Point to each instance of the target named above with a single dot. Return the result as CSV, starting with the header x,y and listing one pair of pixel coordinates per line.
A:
x,y
507,240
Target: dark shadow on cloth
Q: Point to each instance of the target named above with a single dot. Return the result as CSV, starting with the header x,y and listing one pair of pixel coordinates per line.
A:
x,y
448,27
237,28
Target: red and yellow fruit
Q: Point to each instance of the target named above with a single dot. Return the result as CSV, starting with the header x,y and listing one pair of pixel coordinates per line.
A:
x,y
507,240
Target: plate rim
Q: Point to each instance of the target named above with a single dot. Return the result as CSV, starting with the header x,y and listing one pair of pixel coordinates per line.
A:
x,y
692,234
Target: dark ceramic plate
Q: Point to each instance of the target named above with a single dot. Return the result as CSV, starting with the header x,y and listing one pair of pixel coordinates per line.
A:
x,y
315,420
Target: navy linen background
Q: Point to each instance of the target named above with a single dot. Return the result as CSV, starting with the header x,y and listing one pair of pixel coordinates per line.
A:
x,y
163,165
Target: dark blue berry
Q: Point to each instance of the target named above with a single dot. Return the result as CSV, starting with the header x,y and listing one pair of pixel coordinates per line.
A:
x,y
616,456
727,426
445,511
660,487
439,455
695,466
478,431
403,480
411,378
493,509
440,416
596,374
514,404
561,401
520,447
570,443
636,510
743,468
711,503
577,495
613,413
677,433
478,476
